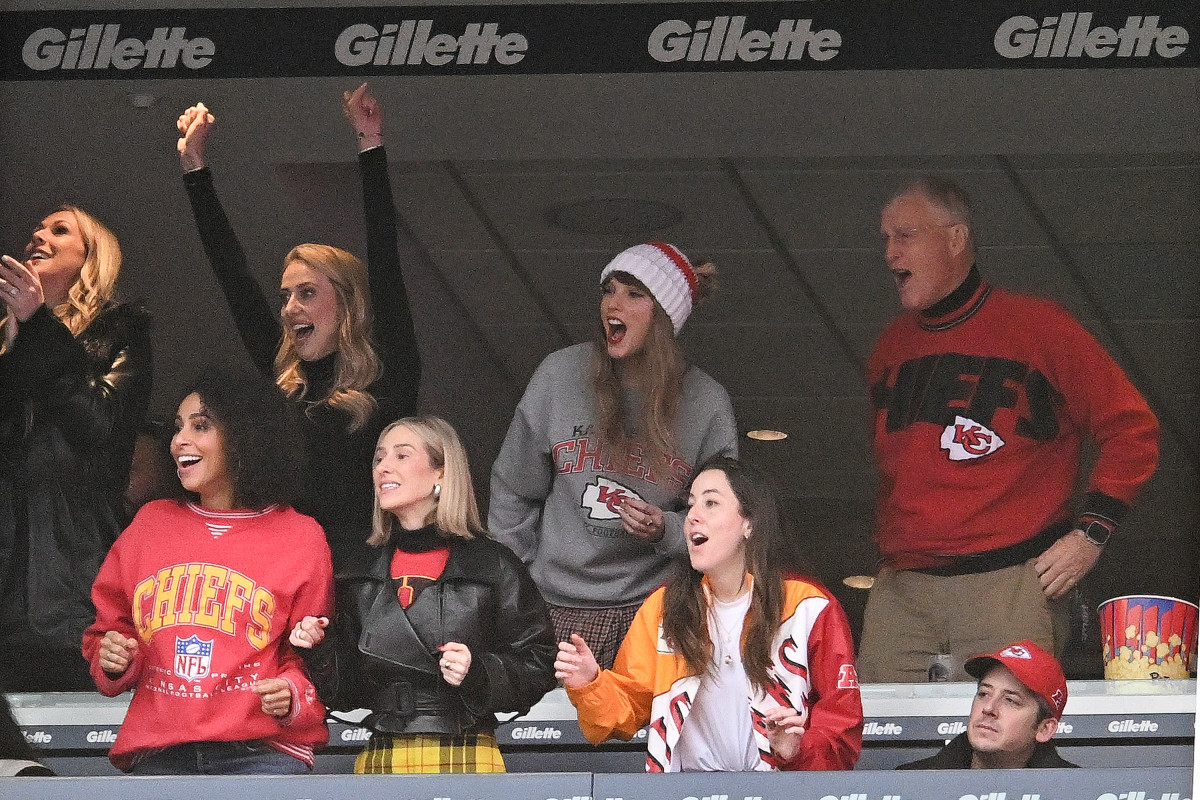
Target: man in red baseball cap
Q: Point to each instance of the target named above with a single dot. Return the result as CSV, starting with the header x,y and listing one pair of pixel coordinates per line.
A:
x,y
1017,706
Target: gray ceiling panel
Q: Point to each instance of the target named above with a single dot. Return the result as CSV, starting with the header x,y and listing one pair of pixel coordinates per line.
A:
x,y
711,214
783,360
1144,281
522,345
1168,352
821,209
819,429
435,209
490,292
1037,270
854,284
1123,205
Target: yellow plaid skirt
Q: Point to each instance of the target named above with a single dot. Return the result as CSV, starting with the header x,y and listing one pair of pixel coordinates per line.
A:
x,y
474,752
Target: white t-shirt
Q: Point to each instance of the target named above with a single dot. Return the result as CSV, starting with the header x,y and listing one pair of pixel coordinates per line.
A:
x,y
718,735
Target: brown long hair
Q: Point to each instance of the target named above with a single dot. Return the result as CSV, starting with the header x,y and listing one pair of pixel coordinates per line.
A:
x,y
663,367
358,366
685,605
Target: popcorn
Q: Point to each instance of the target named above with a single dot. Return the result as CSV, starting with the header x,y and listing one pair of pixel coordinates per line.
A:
x,y
1148,637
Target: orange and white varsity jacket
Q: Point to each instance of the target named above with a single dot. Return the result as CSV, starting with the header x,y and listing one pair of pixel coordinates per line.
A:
x,y
812,672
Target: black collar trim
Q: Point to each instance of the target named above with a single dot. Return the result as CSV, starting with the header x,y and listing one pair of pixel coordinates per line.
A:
x,y
959,312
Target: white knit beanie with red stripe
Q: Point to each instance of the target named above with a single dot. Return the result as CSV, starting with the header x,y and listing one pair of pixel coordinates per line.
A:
x,y
665,271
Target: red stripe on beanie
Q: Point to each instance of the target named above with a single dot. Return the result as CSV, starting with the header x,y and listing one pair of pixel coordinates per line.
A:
x,y
680,261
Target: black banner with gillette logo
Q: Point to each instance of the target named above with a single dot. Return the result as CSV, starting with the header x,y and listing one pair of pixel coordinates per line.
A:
x,y
609,38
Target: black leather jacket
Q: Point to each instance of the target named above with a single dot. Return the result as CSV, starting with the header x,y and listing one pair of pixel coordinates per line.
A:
x,y
70,408
381,656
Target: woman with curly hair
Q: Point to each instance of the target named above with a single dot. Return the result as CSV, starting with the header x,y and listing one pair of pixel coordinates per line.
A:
x,y
735,665
587,488
75,376
342,347
196,599
446,630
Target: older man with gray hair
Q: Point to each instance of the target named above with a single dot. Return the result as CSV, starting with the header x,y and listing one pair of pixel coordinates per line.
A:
x,y
983,399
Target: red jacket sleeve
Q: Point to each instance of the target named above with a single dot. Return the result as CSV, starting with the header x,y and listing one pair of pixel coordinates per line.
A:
x,y
833,737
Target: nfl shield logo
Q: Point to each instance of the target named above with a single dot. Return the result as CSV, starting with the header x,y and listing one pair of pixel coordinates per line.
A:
x,y
193,657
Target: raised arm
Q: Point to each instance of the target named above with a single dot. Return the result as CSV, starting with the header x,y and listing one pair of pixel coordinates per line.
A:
x,y
395,336
256,320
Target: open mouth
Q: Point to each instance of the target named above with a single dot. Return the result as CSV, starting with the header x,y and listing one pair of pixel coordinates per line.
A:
x,y
35,256
384,487
616,330
901,276
302,332
697,539
187,461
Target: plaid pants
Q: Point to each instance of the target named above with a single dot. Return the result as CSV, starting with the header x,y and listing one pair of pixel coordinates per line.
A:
x,y
602,628
473,752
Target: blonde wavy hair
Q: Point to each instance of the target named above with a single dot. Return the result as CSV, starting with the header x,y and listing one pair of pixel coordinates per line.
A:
x,y
97,282
358,366
663,367
456,512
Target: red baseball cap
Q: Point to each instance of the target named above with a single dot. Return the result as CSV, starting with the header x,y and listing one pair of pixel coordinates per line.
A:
x,y
1033,666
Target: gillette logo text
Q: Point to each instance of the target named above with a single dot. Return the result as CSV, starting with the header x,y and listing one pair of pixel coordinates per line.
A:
x,y
726,39
1071,35
101,47
413,42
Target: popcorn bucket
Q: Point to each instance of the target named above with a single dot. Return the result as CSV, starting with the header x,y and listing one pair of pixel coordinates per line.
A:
x,y
1148,637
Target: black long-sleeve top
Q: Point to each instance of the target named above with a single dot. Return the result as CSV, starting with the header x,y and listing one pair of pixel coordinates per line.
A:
x,y
338,490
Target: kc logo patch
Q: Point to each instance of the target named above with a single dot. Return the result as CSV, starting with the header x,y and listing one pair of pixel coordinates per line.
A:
x,y
967,439
602,498
193,657
1016,651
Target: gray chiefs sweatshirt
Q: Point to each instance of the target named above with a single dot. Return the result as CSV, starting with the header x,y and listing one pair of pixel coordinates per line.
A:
x,y
555,491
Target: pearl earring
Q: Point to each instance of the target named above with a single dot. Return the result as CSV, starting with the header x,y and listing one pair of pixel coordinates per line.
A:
x,y
437,491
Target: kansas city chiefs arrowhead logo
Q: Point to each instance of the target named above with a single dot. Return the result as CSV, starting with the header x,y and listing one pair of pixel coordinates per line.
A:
x,y
967,439
602,498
